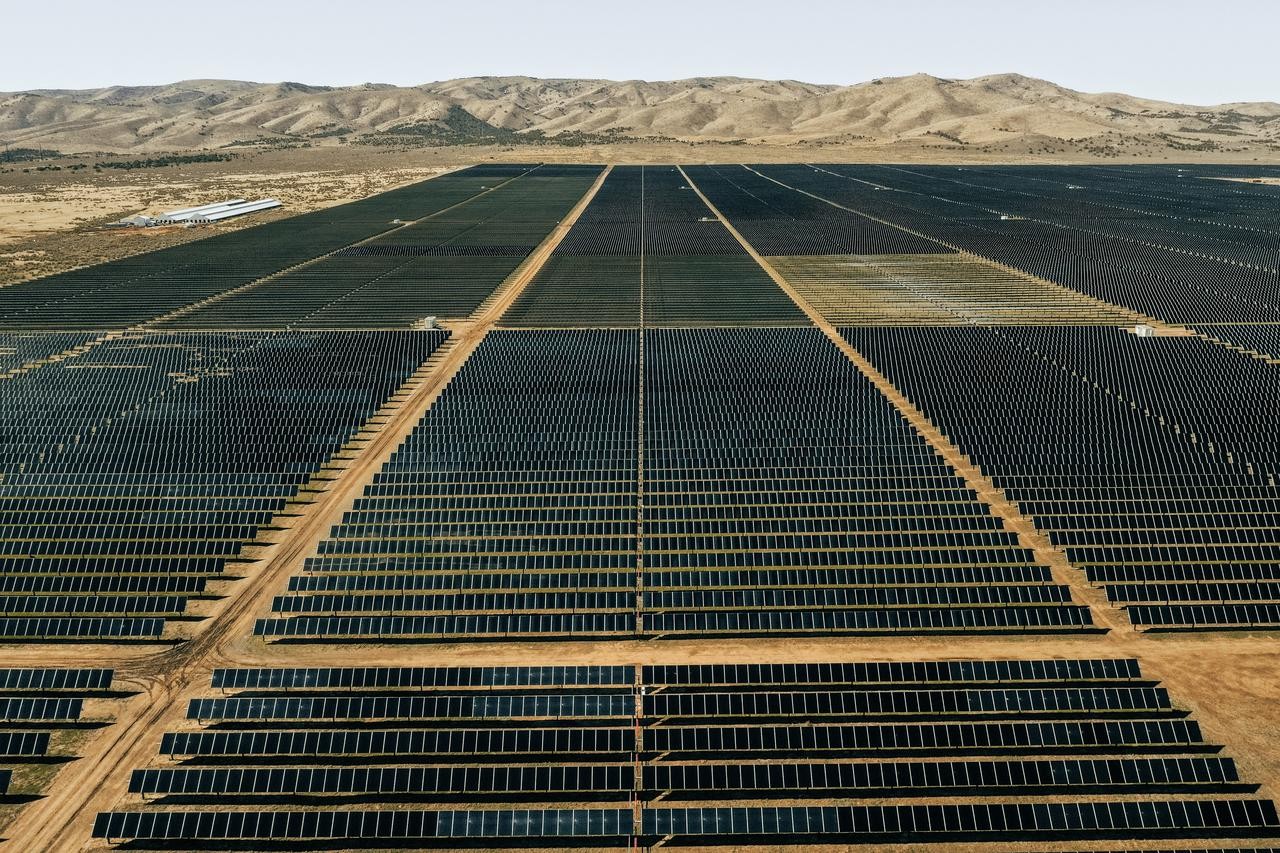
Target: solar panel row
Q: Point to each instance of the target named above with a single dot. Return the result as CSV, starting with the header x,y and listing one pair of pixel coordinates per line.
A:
x,y
904,672
697,741
425,678
1172,819
620,781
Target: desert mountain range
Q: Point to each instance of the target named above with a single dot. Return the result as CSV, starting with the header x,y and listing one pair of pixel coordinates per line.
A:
x,y
984,111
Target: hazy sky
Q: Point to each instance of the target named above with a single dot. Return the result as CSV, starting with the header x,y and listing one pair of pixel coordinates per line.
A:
x,y
1206,51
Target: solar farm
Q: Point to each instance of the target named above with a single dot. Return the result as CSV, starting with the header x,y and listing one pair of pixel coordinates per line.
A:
x,y
790,507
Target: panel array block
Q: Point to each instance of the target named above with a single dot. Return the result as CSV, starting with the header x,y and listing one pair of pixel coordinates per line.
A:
x,y
138,468
442,265
1153,239
647,251
511,509
141,288
1147,460
783,495
705,753
776,220
936,290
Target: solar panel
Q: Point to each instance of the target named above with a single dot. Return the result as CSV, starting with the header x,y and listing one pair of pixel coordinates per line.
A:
x,y
426,678
403,744
1182,818
40,680
412,707
914,672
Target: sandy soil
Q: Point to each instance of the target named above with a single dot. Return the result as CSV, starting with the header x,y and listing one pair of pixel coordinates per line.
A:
x,y
1270,181
80,203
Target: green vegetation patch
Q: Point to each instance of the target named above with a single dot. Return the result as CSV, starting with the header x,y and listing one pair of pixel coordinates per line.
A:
x,y
167,160
26,155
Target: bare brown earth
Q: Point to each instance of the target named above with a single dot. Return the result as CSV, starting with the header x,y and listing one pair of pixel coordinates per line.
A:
x,y
988,112
1271,181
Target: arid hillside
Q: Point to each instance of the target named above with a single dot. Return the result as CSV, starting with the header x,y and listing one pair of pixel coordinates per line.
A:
x,y
993,114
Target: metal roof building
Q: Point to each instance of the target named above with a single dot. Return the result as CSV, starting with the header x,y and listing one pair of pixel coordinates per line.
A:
x,y
215,212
